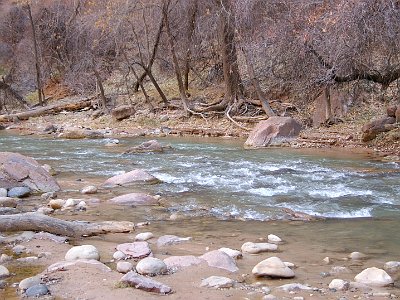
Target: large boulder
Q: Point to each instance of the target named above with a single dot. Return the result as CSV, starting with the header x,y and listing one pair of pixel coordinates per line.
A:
x,y
80,133
134,199
374,277
147,147
82,252
151,266
275,130
220,260
17,170
273,267
122,112
372,129
131,177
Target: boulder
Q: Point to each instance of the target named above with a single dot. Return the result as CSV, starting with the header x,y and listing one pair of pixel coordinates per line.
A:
x,y
179,262
374,277
275,130
167,240
124,266
217,282
273,267
134,199
135,250
122,112
220,260
144,236
146,284
82,252
151,266
254,248
146,147
78,133
372,129
339,285
17,170
131,177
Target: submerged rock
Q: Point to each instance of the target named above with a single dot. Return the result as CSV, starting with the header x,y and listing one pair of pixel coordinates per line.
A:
x,y
220,260
134,199
82,252
151,266
179,262
135,250
217,282
166,240
146,147
374,276
144,236
273,267
143,283
254,248
131,177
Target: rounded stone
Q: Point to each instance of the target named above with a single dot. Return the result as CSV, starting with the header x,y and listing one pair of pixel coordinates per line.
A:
x,y
3,192
392,266
29,282
56,203
357,256
273,267
81,205
135,249
151,266
37,290
90,189
339,285
254,248
231,252
374,276
4,272
71,202
119,255
124,266
144,236
82,252
272,238
19,192
217,282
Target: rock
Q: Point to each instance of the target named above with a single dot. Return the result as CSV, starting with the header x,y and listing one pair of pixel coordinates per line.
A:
x,y
217,282
82,252
69,203
28,259
119,255
134,199
45,210
254,248
359,286
3,284
124,266
78,133
90,189
293,287
357,256
4,272
122,112
8,202
17,170
220,260
49,128
289,265
50,170
339,270
392,266
135,250
272,238
19,249
167,240
374,277
143,283
19,192
48,196
37,290
339,285
146,147
273,267
179,262
231,252
65,265
144,236
327,260
81,205
29,282
275,130
5,258
3,192
372,129
131,177
56,203
151,266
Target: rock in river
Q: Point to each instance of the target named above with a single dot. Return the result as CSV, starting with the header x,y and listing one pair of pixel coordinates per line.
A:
x,y
131,177
166,240
82,252
179,262
149,146
254,248
17,170
217,282
134,199
135,250
273,267
374,277
151,266
144,236
143,283
221,260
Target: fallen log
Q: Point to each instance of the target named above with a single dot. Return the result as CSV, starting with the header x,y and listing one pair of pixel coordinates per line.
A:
x,y
49,110
39,222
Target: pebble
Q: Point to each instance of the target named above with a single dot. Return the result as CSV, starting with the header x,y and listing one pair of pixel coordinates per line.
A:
x,y
327,260
37,290
82,252
255,248
56,203
339,285
151,266
392,266
124,266
29,282
273,267
4,272
90,189
3,284
374,276
144,236
272,238
217,282
119,255
293,287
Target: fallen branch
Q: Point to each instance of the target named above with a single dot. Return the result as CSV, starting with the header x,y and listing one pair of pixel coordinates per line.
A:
x,y
233,121
39,222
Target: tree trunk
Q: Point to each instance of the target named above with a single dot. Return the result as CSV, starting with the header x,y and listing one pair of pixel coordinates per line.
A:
x,y
261,95
37,63
191,27
101,87
328,105
40,222
8,89
158,88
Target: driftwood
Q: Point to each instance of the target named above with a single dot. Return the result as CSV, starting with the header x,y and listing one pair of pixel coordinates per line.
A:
x,y
48,110
39,222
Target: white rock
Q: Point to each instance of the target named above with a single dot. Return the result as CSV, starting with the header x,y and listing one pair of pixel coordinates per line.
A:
x,y
82,252
217,282
71,203
254,248
28,282
90,189
221,260
4,272
339,285
119,255
81,205
144,236
124,266
231,252
327,260
151,266
289,264
3,192
392,266
374,277
357,256
272,238
293,287
56,203
4,258
272,267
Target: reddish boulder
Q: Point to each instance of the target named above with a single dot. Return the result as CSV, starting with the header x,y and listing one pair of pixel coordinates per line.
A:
x,y
146,147
131,177
273,131
372,129
122,112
